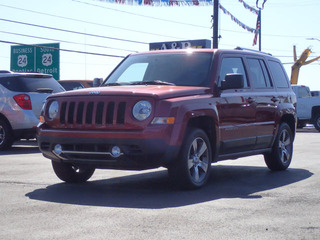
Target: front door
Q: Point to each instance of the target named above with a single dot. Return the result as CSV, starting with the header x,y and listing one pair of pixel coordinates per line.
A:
x,y
237,110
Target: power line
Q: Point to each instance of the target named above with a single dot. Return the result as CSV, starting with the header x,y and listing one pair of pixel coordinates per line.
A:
x,y
88,22
140,15
69,31
56,40
65,50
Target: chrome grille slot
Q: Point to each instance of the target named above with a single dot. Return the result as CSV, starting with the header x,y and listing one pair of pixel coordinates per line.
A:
x,y
89,113
63,113
110,111
80,109
71,112
99,112
121,112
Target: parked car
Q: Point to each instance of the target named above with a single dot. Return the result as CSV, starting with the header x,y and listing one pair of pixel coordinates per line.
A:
x,y
75,84
308,107
21,99
179,109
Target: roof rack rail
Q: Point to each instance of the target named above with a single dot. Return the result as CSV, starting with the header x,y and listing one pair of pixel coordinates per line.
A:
x,y
252,50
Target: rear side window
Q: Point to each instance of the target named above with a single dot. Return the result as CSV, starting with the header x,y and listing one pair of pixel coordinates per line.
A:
x,y
279,76
303,92
71,85
259,73
30,84
232,65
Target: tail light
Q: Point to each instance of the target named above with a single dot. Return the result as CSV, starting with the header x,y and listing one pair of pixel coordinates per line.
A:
x,y
23,100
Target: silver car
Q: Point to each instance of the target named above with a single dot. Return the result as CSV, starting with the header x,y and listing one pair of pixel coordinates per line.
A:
x,y
21,99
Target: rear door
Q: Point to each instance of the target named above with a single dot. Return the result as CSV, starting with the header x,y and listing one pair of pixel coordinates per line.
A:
x,y
265,99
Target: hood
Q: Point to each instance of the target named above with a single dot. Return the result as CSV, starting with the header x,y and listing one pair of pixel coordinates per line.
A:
x,y
157,92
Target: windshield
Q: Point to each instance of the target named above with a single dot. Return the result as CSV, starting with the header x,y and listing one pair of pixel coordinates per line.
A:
x,y
181,69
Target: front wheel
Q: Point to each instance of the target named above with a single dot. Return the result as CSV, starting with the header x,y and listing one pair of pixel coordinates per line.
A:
x,y
192,167
317,122
70,173
282,150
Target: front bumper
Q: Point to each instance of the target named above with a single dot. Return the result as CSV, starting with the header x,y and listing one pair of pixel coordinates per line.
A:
x,y
136,154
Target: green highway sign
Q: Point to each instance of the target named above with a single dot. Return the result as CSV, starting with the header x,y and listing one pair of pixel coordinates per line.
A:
x,y
41,58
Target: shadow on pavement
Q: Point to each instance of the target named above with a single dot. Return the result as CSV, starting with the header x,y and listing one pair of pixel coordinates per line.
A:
x,y
309,129
22,147
152,190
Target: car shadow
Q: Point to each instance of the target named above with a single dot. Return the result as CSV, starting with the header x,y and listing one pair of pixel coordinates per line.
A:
x,y
308,129
22,147
152,190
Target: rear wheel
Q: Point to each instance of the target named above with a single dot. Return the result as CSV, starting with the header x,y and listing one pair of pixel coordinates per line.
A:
x,y
317,122
281,155
192,168
72,174
6,135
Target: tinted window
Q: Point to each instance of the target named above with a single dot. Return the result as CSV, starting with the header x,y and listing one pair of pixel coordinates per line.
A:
x,y
259,73
279,76
71,85
303,92
232,65
182,69
30,84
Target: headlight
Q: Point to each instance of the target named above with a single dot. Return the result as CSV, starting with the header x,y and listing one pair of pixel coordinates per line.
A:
x,y
53,109
142,110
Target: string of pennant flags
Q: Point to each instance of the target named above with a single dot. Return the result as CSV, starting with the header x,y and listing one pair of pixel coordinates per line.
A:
x,y
247,6
233,18
156,3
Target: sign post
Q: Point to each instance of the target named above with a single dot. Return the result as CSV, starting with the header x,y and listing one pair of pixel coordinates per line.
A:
x,y
41,58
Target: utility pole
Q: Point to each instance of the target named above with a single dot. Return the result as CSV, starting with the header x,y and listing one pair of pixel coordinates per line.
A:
x,y
215,23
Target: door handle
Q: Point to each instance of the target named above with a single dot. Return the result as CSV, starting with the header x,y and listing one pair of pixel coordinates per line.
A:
x,y
275,99
250,100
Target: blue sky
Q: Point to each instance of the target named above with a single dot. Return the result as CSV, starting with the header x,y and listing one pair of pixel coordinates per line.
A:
x,y
113,29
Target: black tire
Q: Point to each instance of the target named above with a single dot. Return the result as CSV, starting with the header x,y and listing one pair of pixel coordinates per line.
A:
x,y
71,173
6,135
192,167
317,122
282,150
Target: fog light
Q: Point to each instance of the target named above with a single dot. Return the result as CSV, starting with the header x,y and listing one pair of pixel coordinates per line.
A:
x,y
115,151
58,149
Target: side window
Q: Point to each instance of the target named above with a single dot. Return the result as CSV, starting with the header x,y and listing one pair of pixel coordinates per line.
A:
x,y
303,92
232,65
259,74
279,76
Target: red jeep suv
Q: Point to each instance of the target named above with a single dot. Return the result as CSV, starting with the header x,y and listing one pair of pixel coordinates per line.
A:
x,y
178,109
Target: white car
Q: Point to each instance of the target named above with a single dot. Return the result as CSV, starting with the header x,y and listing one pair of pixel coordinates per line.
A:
x,y
21,99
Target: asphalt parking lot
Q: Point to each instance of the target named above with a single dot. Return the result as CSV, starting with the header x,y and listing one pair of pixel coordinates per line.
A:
x,y
242,200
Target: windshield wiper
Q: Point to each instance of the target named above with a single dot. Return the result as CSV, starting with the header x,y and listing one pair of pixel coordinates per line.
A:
x,y
113,84
154,82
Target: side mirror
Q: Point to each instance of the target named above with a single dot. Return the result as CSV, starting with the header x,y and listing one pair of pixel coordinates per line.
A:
x,y
97,82
232,81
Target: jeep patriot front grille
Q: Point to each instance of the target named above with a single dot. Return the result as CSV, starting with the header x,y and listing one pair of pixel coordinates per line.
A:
x,y
95,113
